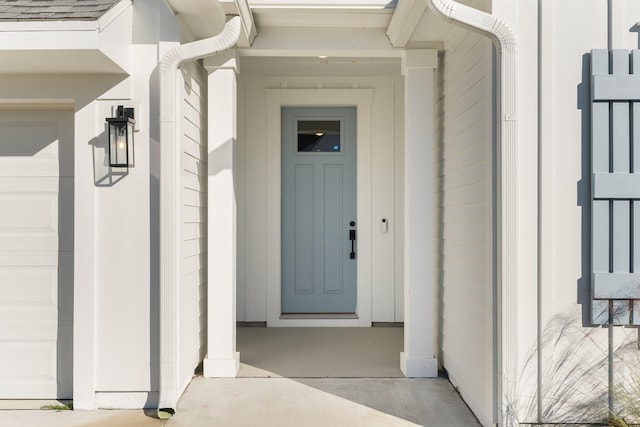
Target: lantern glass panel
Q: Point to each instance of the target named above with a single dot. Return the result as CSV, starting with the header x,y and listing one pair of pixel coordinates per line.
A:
x,y
130,132
118,149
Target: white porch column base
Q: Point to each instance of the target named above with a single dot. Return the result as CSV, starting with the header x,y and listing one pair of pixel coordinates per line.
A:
x,y
418,368
222,368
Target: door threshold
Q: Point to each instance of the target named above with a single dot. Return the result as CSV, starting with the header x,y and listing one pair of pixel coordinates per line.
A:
x,y
319,316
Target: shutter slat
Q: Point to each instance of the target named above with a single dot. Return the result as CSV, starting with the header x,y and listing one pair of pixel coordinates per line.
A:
x,y
616,286
620,313
600,137
616,186
635,168
600,208
600,311
621,218
635,258
600,236
600,150
608,87
635,106
621,237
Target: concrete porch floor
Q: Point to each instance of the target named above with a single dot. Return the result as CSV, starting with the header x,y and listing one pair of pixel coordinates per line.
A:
x,y
295,377
321,377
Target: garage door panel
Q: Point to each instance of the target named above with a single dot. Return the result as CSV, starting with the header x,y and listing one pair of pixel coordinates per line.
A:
x,y
29,213
21,243
29,286
27,185
24,389
29,148
23,316
35,258
17,168
29,366
29,221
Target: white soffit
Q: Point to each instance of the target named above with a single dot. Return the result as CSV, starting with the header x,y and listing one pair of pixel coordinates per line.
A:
x,y
333,17
73,47
315,42
322,13
414,25
203,18
430,28
325,4
206,18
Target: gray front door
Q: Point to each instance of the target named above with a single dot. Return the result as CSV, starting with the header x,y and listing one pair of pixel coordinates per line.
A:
x,y
318,210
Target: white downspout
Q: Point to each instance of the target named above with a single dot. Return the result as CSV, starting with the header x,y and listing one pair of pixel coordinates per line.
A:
x,y
507,220
170,218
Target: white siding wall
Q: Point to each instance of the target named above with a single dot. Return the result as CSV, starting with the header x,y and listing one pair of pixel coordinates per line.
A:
x,y
463,201
193,296
386,165
568,31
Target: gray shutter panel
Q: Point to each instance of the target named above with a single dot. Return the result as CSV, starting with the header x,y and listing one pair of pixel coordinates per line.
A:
x,y
615,160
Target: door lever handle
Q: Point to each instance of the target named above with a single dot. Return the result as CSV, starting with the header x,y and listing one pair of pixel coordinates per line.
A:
x,y
352,237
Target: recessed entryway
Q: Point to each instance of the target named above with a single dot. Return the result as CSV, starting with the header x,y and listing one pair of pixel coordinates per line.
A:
x,y
359,101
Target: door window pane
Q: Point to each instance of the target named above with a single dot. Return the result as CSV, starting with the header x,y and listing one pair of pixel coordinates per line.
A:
x,y
321,136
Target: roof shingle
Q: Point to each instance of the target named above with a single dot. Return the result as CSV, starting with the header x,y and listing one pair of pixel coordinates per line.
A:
x,y
54,10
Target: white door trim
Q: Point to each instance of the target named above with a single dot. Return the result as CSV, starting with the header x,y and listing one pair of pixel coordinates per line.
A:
x,y
362,99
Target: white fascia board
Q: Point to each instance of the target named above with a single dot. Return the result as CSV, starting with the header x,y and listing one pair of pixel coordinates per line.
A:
x,y
404,21
331,42
112,14
15,26
41,39
116,34
243,9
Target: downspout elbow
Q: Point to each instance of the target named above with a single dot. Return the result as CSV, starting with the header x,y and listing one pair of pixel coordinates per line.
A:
x,y
169,64
476,20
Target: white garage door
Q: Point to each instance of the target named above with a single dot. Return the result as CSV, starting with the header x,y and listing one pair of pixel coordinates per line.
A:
x,y
36,254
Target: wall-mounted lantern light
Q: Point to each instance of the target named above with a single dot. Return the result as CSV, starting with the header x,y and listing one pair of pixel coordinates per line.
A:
x,y
121,128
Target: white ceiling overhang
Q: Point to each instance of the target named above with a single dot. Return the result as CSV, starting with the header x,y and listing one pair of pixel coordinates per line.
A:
x,y
101,46
311,28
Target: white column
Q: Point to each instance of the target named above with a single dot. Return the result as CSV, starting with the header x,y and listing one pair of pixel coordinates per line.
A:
x,y
84,290
222,359
417,359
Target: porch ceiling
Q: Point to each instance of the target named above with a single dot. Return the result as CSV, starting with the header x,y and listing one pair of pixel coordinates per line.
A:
x,y
339,27
320,67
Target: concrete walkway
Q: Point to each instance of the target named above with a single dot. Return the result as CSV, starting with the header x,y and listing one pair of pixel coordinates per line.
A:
x,y
282,402
51,418
321,402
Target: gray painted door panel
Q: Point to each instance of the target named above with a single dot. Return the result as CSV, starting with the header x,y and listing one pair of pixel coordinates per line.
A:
x,y
318,203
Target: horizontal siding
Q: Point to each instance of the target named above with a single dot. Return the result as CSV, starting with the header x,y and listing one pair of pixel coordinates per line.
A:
x,y
462,172
193,291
